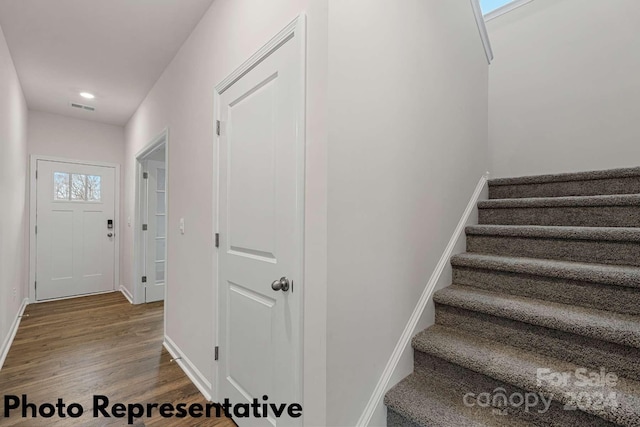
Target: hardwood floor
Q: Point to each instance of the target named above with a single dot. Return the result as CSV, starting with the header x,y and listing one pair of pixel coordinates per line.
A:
x,y
96,345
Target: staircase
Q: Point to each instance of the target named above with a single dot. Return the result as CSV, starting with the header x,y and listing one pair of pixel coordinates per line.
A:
x,y
541,326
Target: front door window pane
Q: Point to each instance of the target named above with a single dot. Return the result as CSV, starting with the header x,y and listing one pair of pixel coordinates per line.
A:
x,y
77,187
93,188
60,186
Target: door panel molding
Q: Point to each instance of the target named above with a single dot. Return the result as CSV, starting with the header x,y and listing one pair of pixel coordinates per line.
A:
x,y
33,163
294,32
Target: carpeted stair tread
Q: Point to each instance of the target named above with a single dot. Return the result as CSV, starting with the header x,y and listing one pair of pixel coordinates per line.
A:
x,y
581,211
572,201
568,177
550,283
435,400
578,349
602,325
617,181
602,245
616,234
588,272
520,368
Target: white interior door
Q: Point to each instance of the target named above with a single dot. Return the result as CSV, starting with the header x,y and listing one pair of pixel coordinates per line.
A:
x,y
75,248
261,164
156,233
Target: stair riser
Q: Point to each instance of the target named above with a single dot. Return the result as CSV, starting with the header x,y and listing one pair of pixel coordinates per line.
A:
x,y
477,383
582,216
577,349
596,251
599,187
584,294
595,325
484,342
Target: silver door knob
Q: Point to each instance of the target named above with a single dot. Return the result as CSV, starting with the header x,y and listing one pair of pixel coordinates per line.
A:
x,y
110,235
281,284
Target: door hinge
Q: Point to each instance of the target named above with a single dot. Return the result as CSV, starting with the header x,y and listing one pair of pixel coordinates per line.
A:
x,y
35,284
36,229
144,227
144,279
218,127
217,240
215,351
145,175
36,173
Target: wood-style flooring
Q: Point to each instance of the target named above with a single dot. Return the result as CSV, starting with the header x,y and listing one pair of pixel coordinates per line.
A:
x,y
96,345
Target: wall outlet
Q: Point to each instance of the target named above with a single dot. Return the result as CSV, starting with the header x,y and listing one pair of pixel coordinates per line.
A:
x,y
15,293
181,225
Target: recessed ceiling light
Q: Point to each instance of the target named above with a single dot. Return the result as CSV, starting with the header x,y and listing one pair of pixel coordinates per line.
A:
x,y
87,95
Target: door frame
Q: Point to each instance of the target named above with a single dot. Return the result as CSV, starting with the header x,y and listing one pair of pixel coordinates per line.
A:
x,y
33,219
296,30
138,235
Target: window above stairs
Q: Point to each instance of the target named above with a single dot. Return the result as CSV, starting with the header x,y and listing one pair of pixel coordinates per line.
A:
x,y
494,8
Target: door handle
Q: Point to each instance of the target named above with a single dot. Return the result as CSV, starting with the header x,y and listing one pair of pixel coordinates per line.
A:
x,y
110,235
281,284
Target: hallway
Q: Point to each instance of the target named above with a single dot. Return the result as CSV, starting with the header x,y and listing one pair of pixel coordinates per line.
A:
x,y
98,345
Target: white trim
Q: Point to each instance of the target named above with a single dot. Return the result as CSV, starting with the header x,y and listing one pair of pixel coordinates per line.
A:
x,y
6,345
482,29
74,161
295,29
506,8
291,30
126,294
33,220
194,374
409,330
75,296
138,259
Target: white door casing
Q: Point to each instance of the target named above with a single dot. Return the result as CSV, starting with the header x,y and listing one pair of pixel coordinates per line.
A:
x,y
260,220
156,235
151,152
75,250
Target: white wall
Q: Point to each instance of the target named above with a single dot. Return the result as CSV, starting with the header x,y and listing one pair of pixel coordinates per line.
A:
x,y
75,139
407,146
564,87
13,190
182,100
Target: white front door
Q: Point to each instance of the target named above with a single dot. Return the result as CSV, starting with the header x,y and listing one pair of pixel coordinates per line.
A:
x,y
261,163
156,233
75,246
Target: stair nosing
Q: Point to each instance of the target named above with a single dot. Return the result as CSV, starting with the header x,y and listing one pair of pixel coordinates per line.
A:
x,y
404,408
495,367
567,177
617,234
609,274
562,202
584,321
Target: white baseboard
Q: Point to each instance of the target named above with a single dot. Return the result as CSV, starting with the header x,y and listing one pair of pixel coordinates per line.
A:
x,y
6,345
126,294
405,339
196,377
